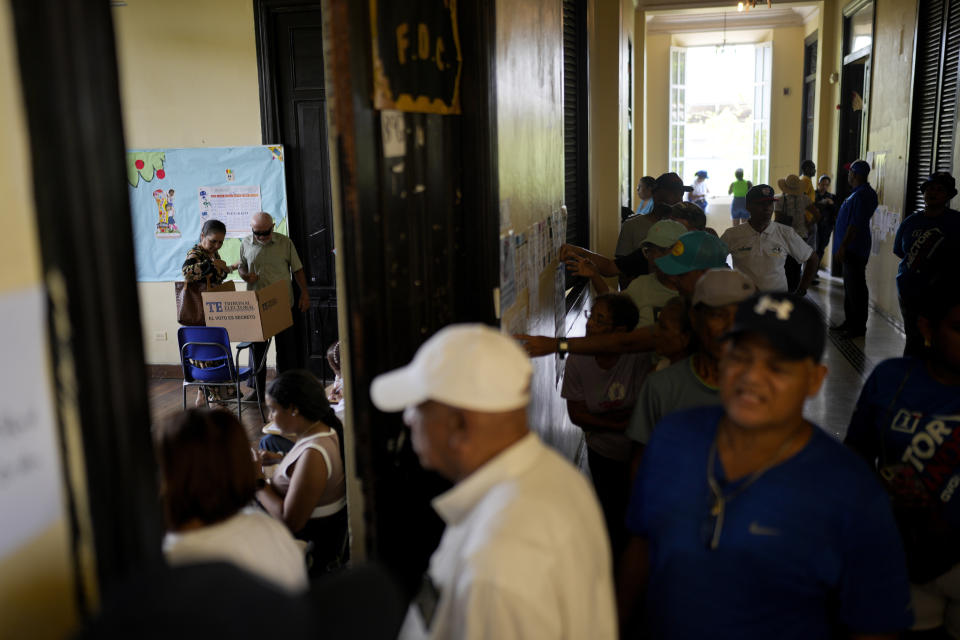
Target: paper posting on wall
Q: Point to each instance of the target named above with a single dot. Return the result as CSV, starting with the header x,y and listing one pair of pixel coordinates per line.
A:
x,y
231,205
30,470
508,274
394,134
523,264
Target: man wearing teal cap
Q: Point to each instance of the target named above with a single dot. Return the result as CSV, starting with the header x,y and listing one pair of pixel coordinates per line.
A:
x,y
693,254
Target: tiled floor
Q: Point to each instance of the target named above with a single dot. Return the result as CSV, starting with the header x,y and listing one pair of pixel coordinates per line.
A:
x,y
849,361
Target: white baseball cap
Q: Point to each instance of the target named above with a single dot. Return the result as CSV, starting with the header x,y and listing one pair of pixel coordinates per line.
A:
x,y
720,287
468,366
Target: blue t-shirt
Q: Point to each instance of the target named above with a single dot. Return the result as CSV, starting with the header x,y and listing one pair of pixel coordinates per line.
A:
x,y
808,546
924,245
910,423
856,211
645,206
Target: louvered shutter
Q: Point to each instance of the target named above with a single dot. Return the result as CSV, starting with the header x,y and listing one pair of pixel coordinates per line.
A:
x,y
574,122
934,120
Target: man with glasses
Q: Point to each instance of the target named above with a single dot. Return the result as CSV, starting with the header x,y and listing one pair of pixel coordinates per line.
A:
x,y
267,257
751,522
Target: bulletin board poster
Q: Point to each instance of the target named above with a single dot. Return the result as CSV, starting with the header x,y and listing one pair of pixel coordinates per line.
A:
x,y
416,56
174,191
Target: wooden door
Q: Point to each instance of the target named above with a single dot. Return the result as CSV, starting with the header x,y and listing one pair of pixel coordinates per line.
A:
x,y
293,113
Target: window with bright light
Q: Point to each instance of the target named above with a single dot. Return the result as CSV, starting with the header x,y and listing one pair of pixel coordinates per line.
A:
x,y
720,111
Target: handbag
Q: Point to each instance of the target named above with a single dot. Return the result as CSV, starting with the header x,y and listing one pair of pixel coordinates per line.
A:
x,y
190,302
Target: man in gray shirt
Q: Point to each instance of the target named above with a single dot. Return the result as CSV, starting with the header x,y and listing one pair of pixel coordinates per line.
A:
x,y
693,381
267,257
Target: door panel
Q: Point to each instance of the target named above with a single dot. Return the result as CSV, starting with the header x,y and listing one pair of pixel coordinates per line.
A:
x,y
293,110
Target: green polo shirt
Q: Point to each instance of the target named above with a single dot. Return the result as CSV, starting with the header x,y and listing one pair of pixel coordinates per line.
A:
x,y
273,261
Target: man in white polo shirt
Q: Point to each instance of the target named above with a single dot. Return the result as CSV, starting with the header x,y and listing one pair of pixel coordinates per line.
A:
x,y
760,247
525,551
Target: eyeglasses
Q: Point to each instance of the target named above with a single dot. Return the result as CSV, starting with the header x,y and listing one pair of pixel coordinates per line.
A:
x,y
262,234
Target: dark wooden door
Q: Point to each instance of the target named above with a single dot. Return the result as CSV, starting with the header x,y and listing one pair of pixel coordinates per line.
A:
x,y
293,113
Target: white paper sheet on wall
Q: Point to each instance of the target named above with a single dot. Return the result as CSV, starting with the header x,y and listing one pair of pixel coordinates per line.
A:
x,y
30,470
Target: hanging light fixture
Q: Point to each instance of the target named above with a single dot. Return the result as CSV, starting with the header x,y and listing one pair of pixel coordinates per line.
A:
x,y
746,5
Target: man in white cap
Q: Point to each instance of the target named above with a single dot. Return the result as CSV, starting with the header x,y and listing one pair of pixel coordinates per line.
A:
x,y
525,551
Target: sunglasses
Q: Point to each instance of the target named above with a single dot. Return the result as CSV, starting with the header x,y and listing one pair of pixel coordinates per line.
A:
x,y
261,234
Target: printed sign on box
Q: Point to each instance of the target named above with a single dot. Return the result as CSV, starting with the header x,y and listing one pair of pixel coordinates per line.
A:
x,y
250,315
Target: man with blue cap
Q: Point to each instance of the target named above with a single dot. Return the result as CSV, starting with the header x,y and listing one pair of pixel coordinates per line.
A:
x,y
690,257
926,242
851,248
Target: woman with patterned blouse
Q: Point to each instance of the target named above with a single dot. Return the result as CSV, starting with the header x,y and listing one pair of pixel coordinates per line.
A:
x,y
203,261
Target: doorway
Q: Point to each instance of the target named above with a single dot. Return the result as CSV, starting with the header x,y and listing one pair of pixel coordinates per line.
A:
x,y
293,109
854,88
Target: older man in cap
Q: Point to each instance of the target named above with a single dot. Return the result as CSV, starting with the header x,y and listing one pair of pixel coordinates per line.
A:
x,y
667,190
267,256
760,247
693,381
851,248
926,243
751,522
525,551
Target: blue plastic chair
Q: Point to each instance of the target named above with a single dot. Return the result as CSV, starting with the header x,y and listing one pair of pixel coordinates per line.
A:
x,y
211,346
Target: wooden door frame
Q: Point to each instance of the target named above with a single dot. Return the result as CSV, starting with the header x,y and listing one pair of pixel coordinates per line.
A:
x,y
365,273
68,69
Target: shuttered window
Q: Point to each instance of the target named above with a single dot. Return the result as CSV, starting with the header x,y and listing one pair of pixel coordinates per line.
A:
x,y
933,125
575,90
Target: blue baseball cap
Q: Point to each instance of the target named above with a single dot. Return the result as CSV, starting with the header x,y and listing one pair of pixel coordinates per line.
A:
x,y
860,167
694,250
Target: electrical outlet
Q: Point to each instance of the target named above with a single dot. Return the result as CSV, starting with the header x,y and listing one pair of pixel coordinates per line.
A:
x,y
159,336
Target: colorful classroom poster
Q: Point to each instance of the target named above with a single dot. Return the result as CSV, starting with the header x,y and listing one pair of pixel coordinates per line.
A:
x,y
173,191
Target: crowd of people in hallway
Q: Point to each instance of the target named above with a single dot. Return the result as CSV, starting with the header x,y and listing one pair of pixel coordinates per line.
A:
x,y
716,508
728,513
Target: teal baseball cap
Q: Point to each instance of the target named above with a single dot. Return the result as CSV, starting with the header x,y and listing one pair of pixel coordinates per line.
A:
x,y
694,250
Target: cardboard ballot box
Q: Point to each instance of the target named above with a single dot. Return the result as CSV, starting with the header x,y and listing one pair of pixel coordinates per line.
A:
x,y
250,315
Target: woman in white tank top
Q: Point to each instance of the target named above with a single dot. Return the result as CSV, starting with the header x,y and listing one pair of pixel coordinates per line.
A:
x,y
307,492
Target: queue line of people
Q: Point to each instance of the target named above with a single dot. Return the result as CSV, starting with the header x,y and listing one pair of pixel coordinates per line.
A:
x,y
710,526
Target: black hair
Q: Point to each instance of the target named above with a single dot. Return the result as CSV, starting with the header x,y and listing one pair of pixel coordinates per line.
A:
x,y
739,173
623,310
808,168
207,470
691,213
301,389
650,181
212,226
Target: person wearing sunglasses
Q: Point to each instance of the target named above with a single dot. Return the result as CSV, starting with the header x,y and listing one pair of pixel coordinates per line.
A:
x,y
751,522
267,257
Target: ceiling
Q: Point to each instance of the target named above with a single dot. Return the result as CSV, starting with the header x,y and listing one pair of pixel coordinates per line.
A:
x,y
663,20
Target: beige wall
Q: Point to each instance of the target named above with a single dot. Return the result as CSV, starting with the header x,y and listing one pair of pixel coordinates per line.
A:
x,y
36,579
188,78
609,25
889,128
